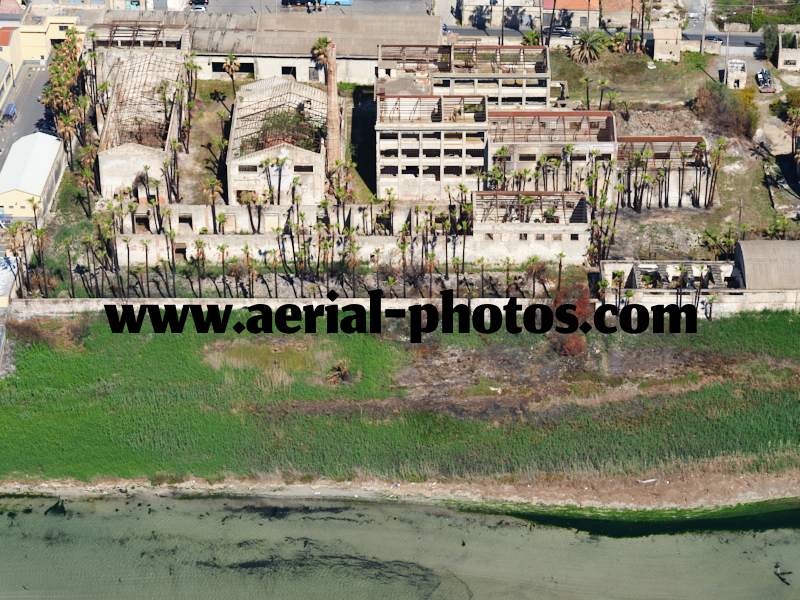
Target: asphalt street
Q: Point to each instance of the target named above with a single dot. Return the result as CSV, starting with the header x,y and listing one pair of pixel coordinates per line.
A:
x,y
30,113
359,7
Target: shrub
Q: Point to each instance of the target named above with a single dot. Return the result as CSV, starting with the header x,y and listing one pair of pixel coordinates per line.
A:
x,y
28,332
731,112
573,344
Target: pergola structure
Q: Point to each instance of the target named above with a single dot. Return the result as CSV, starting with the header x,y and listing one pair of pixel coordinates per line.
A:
x,y
464,58
666,150
138,33
431,109
529,206
551,126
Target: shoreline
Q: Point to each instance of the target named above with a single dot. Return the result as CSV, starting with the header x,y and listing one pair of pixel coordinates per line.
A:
x,y
688,492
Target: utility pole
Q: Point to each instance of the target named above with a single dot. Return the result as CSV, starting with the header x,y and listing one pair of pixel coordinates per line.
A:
x,y
727,56
703,37
503,24
541,22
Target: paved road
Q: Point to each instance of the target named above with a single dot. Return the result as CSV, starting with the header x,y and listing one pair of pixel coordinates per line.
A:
x,y
737,39
359,7
30,113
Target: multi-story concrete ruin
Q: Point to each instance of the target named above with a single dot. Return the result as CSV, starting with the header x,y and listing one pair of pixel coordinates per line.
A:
x,y
435,106
762,275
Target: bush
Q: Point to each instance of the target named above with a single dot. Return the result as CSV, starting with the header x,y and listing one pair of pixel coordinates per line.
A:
x,y
694,61
731,112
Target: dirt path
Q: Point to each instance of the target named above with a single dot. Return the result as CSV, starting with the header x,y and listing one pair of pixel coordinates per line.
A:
x,y
708,485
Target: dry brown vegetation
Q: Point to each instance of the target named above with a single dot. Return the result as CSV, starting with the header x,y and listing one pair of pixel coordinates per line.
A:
x,y
54,333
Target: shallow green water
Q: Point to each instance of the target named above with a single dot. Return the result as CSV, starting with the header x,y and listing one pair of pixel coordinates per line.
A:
x,y
223,548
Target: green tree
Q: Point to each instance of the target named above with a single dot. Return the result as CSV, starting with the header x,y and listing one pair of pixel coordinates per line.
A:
x,y
770,35
587,47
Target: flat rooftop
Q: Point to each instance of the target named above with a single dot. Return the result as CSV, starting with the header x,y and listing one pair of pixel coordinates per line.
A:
x,y
276,35
465,58
431,109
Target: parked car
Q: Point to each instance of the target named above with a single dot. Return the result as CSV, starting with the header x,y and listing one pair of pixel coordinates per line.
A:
x,y
198,8
10,112
556,30
764,82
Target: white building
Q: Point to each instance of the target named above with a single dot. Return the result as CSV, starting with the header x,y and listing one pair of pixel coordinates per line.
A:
x,y
30,176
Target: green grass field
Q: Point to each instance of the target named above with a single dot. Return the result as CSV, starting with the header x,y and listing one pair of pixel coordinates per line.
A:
x,y
161,406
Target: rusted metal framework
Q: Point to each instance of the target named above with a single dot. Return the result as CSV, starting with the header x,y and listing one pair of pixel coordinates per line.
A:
x,y
528,206
143,99
275,111
465,58
137,33
431,109
551,126
663,150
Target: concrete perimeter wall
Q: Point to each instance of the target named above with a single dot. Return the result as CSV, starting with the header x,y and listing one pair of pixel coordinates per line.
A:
x,y
724,304
725,301
29,308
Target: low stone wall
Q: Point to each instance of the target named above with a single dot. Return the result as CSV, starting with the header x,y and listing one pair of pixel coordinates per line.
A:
x,y
29,308
724,302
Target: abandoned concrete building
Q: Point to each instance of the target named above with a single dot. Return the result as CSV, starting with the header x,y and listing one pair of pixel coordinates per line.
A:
x,y
277,148
675,169
428,144
736,74
268,45
141,121
788,48
506,225
762,275
511,77
553,148
434,111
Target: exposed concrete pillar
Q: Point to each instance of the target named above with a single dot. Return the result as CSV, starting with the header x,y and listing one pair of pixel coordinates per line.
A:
x,y
334,131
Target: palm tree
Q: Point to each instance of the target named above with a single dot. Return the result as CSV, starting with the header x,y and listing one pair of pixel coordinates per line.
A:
x,y
530,38
212,188
324,54
146,246
200,264
587,47
587,81
222,248
793,120
602,84
231,66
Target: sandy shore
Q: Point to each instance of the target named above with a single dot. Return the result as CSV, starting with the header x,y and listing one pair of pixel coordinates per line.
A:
x,y
693,489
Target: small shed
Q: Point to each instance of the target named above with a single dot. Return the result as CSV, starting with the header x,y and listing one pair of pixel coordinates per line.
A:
x,y
769,264
33,169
